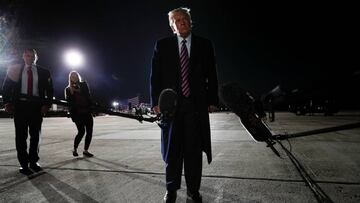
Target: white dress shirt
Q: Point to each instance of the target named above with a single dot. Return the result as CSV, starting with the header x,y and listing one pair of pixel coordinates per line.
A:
x,y
24,80
188,43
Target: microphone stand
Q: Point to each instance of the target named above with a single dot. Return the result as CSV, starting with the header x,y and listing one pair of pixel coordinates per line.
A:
x,y
317,131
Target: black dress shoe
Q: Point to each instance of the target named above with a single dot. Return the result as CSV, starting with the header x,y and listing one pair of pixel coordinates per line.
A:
x,y
170,197
194,197
88,154
35,167
25,171
75,153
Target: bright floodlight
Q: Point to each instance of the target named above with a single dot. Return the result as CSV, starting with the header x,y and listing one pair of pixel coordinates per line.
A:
x,y
74,58
115,104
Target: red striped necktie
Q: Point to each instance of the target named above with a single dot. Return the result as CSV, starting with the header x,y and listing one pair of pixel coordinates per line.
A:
x,y
30,81
184,73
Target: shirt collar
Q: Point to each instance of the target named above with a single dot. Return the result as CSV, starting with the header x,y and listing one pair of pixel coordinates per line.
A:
x,y
32,66
188,39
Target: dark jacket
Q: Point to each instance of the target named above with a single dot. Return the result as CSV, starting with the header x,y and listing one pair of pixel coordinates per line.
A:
x,y
12,84
76,107
203,79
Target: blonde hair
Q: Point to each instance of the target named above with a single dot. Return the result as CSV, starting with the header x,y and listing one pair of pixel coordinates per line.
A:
x,y
182,10
69,77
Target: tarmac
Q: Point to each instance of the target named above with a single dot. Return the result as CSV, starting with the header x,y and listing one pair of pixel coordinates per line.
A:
x,y
127,166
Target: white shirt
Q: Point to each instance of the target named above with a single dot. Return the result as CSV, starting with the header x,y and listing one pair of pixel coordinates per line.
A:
x,y
188,43
24,80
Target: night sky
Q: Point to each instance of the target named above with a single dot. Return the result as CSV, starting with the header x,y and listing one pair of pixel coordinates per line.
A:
x,y
313,46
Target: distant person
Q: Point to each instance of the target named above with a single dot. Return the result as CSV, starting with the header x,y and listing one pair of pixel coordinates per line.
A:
x,y
185,63
271,110
26,88
78,95
329,107
311,108
270,107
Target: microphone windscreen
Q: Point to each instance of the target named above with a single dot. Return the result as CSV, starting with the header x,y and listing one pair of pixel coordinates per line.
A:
x,y
236,99
168,102
242,104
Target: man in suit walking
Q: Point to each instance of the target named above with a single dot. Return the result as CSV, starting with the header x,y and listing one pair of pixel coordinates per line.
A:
x,y
185,63
26,88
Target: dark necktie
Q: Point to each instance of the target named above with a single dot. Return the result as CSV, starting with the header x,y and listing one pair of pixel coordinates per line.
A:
x,y
30,81
184,63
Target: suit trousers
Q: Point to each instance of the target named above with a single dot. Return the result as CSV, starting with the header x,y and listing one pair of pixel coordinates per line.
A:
x,y
185,149
27,119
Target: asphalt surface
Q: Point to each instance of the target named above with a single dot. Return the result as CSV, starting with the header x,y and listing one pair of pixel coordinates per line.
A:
x,y
127,166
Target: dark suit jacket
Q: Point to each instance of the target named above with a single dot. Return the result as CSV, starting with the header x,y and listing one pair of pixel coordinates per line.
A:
x,y
203,78
12,84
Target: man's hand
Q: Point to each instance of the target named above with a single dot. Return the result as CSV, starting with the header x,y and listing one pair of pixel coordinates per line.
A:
x,y
9,108
156,110
44,109
212,108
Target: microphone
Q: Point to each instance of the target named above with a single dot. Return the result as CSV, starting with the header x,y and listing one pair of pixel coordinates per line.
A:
x,y
237,99
167,105
242,103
